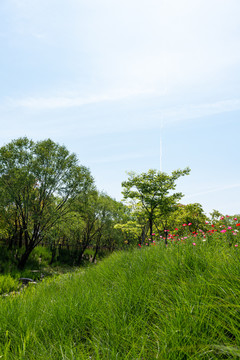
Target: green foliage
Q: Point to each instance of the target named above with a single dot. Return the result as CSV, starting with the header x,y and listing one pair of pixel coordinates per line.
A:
x,y
152,191
131,230
98,214
188,214
41,255
38,182
8,284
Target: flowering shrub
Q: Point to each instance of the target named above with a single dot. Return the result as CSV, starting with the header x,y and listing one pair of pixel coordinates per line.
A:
x,y
224,230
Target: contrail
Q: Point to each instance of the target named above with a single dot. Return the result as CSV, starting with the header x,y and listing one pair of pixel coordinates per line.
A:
x,y
161,154
161,146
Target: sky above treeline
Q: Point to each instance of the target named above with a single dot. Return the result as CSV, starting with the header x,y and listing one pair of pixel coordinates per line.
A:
x,y
129,86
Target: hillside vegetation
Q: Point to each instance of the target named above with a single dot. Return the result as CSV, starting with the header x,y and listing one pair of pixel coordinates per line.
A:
x,y
157,302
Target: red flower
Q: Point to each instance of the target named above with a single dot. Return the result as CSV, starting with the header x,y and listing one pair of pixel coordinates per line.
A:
x,y
238,224
184,224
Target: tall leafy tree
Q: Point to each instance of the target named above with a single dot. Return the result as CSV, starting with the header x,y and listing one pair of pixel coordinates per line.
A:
x,y
154,190
39,180
99,213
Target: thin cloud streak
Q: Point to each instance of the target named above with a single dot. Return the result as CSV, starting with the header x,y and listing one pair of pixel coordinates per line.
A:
x,y
228,187
41,103
196,111
188,111
152,118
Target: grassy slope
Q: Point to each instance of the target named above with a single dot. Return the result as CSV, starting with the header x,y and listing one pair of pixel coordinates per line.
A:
x,y
154,303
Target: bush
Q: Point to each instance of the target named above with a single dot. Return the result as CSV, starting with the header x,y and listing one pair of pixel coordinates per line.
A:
x,y
41,255
8,284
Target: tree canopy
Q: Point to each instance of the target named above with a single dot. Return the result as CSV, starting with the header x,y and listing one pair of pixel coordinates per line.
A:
x,y
152,190
38,182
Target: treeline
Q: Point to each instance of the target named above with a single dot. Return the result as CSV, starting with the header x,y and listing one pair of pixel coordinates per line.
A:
x,y
47,198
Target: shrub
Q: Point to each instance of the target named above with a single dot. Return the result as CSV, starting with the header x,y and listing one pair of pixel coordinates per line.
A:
x,y
8,284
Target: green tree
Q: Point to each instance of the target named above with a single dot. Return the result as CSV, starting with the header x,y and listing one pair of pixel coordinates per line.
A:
x,y
152,190
192,215
135,227
99,213
39,180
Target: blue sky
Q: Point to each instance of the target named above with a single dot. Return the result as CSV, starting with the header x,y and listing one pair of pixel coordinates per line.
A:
x,y
109,79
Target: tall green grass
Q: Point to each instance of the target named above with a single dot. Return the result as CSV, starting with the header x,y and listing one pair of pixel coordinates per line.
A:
x,y
179,302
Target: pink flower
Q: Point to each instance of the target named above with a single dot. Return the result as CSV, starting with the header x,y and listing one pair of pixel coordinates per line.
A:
x,y
236,245
184,224
235,218
206,222
153,234
229,228
223,231
189,224
194,244
222,217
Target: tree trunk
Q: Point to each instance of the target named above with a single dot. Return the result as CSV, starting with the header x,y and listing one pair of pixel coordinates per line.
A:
x,y
142,236
53,251
95,254
80,255
166,236
20,241
10,242
151,227
24,258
